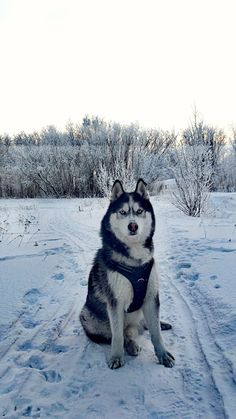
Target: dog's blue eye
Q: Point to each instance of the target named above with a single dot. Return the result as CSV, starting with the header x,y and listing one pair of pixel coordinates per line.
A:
x,y
139,211
122,212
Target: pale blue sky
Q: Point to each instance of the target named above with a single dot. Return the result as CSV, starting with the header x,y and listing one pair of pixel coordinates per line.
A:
x,y
148,61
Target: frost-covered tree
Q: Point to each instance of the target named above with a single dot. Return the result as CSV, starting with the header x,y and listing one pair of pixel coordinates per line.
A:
x,y
192,171
233,139
210,137
227,174
227,171
83,160
106,178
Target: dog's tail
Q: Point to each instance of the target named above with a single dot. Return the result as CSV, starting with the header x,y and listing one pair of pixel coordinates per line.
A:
x,y
165,326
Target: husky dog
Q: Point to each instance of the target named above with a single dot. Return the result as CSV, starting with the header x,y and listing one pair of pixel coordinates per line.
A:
x,y
123,295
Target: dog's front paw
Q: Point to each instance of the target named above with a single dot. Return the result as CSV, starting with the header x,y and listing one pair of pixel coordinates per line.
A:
x,y
167,359
116,362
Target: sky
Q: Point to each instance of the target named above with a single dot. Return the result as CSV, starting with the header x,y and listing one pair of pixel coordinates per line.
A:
x,y
145,61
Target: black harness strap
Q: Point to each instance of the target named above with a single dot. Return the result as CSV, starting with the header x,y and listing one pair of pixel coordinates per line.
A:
x,y
138,277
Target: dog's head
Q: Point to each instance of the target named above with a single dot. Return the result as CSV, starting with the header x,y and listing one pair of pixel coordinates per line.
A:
x,y
131,216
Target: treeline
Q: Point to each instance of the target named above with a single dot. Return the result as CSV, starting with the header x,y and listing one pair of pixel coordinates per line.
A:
x,y
84,159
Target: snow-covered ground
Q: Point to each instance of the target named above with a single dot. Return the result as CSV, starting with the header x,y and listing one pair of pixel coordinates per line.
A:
x,y
48,368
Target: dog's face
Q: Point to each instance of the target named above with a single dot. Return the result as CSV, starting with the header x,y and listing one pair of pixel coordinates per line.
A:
x,y
131,214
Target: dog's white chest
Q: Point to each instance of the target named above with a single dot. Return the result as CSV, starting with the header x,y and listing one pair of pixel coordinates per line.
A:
x,y
121,288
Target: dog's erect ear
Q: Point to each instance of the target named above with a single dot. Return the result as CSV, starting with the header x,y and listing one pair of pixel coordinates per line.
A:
x,y
141,189
117,190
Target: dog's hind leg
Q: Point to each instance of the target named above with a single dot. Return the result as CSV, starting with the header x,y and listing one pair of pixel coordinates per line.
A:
x,y
96,329
132,348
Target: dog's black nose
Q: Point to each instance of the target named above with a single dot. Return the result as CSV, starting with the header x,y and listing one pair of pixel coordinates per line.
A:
x,y
133,227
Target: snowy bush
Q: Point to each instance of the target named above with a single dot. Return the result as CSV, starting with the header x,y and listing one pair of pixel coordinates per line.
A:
x,y
106,178
192,170
226,176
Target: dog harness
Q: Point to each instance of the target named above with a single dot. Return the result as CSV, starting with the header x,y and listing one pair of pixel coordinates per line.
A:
x,y
138,277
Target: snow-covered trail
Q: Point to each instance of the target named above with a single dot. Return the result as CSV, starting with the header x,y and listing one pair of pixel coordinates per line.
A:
x,y
195,312
48,368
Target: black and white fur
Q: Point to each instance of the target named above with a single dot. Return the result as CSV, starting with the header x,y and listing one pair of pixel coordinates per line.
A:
x,y
127,238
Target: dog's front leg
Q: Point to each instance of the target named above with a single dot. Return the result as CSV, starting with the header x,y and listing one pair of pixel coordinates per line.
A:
x,y
151,309
116,317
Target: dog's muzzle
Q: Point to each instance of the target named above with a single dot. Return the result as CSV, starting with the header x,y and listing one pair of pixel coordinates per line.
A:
x,y
133,227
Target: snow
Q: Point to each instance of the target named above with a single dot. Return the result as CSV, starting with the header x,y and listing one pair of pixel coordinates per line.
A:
x,y
48,367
